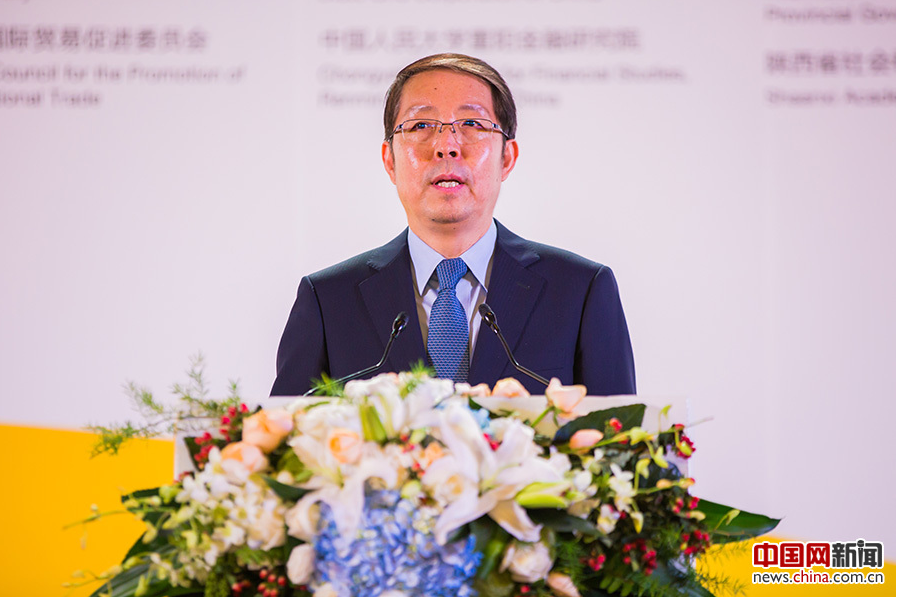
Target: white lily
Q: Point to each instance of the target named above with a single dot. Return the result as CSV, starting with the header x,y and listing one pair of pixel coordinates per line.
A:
x,y
346,501
498,475
317,458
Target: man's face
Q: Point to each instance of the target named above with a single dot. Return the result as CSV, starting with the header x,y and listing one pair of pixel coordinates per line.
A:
x,y
446,185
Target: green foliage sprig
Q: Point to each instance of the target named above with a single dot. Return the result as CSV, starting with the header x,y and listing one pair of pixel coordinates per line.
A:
x,y
191,411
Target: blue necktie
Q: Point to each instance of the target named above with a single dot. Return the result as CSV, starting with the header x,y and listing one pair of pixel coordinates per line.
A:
x,y
448,333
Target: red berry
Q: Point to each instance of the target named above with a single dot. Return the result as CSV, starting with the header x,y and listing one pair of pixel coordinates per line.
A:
x,y
263,574
244,408
282,580
627,559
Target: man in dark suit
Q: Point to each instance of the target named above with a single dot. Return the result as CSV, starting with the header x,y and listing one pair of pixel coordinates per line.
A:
x,y
449,124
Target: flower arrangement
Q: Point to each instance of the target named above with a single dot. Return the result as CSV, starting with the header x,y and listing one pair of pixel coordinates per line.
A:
x,y
404,485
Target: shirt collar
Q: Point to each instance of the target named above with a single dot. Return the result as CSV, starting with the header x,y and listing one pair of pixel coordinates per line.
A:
x,y
424,258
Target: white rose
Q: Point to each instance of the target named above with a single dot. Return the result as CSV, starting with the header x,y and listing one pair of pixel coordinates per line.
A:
x,y
267,530
302,519
317,421
527,562
301,564
446,482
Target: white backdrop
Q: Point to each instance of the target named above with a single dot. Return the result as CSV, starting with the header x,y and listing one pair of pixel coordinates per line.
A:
x,y
170,170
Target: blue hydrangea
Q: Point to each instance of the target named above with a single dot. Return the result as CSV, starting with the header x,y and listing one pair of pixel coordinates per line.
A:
x,y
484,419
392,549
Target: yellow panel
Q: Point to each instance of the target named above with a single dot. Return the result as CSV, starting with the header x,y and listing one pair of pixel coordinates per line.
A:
x,y
52,483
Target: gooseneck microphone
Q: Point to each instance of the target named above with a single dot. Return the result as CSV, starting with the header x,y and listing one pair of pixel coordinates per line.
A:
x,y
398,325
488,316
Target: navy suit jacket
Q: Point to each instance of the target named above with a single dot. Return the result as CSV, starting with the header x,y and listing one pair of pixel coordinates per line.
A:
x,y
560,313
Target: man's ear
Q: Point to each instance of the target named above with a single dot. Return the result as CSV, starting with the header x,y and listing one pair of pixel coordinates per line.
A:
x,y
509,158
389,162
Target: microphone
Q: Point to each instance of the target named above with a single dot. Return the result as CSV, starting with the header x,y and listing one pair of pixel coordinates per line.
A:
x,y
488,316
398,325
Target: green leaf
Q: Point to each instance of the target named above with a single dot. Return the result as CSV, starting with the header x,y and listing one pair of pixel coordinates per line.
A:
x,y
630,416
290,462
497,584
325,386
655,474
285,492
125,584
562,522
491,541
140,494
160,542
668,574
745,525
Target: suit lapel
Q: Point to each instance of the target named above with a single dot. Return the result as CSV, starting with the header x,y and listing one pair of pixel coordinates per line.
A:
x,y
388,291
513,294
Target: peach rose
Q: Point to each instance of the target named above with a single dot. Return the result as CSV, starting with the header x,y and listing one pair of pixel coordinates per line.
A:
x,y
267,428
562,585
344,444
431,454
480,390
585,439
250,456
509,387
564,398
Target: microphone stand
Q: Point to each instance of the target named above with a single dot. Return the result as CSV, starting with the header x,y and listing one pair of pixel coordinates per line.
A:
x,y
398,325
488,316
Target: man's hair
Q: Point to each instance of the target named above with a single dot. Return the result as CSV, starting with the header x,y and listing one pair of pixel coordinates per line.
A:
x,y
502,100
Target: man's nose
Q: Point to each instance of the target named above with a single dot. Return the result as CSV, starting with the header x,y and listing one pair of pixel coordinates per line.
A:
x,y
447,144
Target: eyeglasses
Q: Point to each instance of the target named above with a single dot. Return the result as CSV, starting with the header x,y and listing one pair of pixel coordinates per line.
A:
x,y
467,131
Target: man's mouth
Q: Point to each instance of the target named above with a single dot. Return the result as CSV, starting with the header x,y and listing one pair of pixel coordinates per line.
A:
x,y
447,182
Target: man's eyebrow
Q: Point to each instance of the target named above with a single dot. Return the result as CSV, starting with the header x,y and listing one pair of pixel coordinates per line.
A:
x,y
415,110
